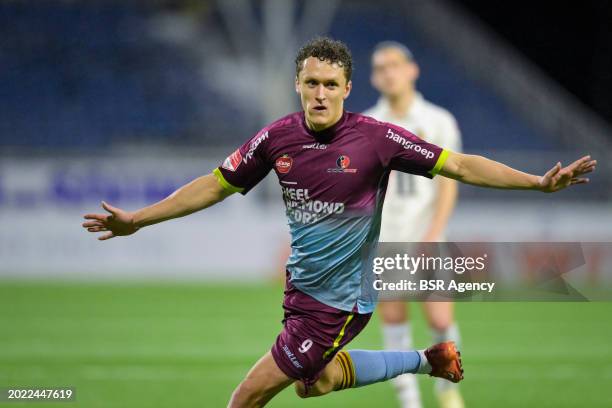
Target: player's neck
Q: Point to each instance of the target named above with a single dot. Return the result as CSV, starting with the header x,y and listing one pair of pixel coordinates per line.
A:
x,y
320,128
400,104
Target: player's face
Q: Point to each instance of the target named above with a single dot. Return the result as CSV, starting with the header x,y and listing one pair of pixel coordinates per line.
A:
x,y
392,73
323,88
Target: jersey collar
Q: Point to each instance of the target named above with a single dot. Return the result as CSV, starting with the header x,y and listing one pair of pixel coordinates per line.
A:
x,y
326,135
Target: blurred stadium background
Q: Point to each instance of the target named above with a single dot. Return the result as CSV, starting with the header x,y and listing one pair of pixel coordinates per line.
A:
x,y
125,101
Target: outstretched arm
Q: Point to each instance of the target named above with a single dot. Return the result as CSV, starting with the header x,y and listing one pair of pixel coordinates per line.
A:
x,y
480,171
201,193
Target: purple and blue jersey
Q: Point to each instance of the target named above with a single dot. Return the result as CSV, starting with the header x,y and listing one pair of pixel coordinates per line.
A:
x,y
333,184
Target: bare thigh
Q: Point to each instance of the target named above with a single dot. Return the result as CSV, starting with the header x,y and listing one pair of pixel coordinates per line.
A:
x,y
263,381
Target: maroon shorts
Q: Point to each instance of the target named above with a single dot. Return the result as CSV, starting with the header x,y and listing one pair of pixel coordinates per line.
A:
x,y
312,335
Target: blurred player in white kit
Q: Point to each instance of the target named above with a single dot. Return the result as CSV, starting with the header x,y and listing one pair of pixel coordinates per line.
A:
x,y
415,209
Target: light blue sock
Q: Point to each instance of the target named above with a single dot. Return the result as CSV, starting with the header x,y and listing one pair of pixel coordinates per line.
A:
x,y
375,366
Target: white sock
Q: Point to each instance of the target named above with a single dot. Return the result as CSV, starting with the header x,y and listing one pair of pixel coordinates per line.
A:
x,y
424,366
450,334
399,337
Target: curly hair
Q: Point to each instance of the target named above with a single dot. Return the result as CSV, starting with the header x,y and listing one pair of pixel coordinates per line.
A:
x,y
326,49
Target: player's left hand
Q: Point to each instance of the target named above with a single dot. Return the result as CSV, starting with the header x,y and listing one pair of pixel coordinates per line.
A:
x,y
116,223
560,177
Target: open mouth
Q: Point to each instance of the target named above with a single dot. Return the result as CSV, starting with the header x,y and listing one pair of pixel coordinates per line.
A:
x,y
320,108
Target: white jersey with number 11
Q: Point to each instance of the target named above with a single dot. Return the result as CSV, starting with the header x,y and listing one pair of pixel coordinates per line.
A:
x,y
411,201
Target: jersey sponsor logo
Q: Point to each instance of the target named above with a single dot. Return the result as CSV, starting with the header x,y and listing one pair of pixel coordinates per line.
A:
x,y
283,164
254,145
342,165
316,146
232,161
301,208
408,145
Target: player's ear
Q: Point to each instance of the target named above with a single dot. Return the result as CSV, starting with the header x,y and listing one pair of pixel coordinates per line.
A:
x,y
297,85
347,89
373,81
415,71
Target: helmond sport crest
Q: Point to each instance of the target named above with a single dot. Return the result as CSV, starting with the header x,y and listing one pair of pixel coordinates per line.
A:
x,y
342,165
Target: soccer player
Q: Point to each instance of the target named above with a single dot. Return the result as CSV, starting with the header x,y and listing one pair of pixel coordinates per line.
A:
x,y
332,166
416,209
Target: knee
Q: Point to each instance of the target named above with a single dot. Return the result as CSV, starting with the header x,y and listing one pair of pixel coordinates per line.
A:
x,y
317,389
300,390
393,313
440,325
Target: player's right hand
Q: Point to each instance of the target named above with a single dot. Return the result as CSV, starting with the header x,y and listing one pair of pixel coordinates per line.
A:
x,y
117,223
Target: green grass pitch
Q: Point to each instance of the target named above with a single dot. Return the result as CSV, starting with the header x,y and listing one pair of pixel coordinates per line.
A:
x,y
188,345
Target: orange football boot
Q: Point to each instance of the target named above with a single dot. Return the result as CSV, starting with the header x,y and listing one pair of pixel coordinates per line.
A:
x,y
445,361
